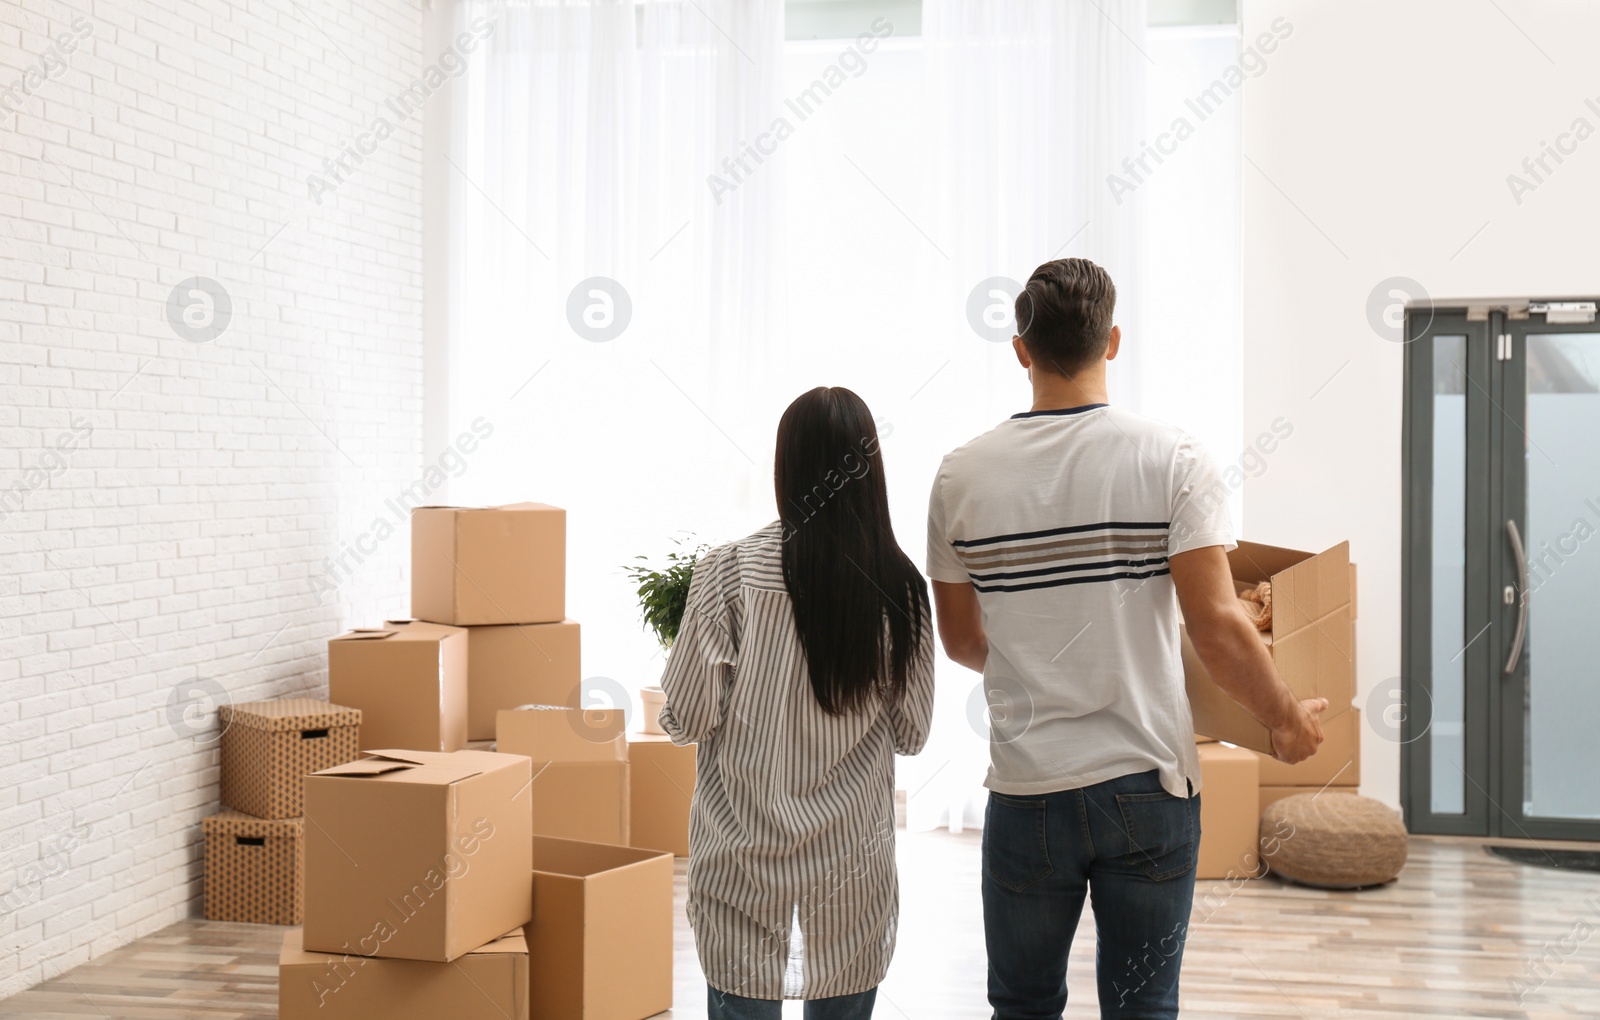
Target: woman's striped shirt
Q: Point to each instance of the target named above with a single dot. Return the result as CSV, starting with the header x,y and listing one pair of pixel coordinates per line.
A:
x,y
792,885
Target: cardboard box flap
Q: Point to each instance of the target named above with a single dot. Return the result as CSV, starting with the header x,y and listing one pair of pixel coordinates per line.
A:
x,y
561,734
511,942
1254,562
365,634
577,859
288,714
364,767
1311,590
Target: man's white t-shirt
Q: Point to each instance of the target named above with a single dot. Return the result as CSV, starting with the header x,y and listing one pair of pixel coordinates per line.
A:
x,y
1063,521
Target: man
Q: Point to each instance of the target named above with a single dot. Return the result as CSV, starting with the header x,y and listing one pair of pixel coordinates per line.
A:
x,y
1061,545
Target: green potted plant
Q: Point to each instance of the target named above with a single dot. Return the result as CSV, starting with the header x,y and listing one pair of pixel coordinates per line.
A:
x,y
663,592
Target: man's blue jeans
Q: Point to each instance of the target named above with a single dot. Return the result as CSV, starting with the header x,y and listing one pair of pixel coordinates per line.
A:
x,y
727,1006
1130,842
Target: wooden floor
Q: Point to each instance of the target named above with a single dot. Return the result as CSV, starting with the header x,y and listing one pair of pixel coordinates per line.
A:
x,y
1445,941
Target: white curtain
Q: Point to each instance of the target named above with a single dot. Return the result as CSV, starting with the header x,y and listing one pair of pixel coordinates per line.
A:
x,y
844,256
1031,105
585,134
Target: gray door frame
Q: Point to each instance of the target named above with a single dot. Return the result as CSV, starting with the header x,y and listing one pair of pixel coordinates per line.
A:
x,y
1496,410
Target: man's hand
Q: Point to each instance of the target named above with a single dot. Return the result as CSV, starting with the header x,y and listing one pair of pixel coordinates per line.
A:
x,y
1299,739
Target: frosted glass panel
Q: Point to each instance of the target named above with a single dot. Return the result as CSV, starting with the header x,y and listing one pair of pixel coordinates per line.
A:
x,y
1448,730
1563,667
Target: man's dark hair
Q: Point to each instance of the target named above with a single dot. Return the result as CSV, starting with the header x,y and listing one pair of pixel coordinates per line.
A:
x,y
1064,314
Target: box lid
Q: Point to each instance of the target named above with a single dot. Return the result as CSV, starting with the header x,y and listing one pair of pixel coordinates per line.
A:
x,y
502,506
288,714
237,823
424,768
413,630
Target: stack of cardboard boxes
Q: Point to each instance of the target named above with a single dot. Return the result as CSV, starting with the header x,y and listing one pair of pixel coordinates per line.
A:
x,y
1312,642
488,591
445,879
255,847
427,895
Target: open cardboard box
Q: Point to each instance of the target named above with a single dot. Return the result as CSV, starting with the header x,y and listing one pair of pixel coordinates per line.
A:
x,y
417,855
600,942
1310,640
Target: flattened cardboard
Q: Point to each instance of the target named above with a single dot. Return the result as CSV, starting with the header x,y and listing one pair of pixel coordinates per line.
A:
x,y
269,747
255,868
1310,640
661,790
600,943
410,682
472,566
1273,794
1229,816
489,983
581,771
520,664
1337,761
417,855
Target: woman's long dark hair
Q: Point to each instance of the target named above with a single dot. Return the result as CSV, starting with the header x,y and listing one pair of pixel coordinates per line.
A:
x,y
849,582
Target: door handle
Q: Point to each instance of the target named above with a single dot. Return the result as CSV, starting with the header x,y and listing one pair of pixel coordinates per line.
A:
x,y
1515,538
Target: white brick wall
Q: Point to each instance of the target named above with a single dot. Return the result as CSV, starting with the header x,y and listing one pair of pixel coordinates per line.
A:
x,y
164,503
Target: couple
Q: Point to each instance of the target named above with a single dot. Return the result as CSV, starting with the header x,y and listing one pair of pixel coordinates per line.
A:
x,y
1061,545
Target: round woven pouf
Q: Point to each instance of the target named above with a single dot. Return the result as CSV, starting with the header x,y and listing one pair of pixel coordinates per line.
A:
x,y
1333,840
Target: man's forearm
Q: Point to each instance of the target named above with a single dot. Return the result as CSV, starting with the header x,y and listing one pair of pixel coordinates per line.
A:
x,y
1239,663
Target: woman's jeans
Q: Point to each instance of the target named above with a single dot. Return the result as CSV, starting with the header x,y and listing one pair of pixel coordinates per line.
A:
x,y
727,1006
1130,842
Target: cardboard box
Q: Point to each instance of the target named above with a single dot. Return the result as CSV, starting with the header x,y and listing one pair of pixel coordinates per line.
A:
x,y
660,791
600,945
417,855
409,679
1336,763
1273,794
580,769
1309,641
520,664
487,565
254,868
488,983
269,747
1229,816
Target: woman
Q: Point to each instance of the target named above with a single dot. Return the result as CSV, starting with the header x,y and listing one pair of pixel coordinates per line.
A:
x,y
803,665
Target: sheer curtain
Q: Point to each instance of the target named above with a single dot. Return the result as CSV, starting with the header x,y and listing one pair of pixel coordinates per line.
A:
x,y
1031,104
604,304
847,255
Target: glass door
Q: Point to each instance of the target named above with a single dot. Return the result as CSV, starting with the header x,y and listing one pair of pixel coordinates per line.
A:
x,y
1550,681
1501,640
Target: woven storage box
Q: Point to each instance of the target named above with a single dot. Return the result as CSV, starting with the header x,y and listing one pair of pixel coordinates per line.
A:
x,y
1333,841
269,747
254,868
